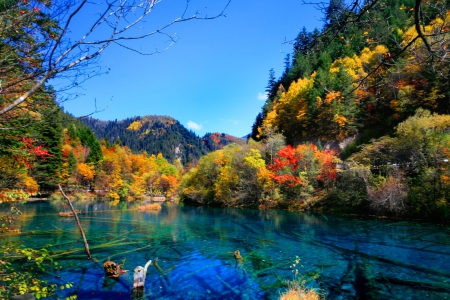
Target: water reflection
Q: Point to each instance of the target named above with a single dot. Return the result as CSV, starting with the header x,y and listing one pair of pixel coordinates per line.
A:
x,y
346,258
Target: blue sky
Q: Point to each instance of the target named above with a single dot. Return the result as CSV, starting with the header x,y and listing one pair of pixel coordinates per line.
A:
x,y
212,79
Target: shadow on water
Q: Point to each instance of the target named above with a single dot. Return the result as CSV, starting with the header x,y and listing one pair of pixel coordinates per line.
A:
x,y
343,257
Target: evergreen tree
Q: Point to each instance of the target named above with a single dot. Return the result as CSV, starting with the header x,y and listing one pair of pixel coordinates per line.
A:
x,y
258,123
49,136
272,85
303,43
333,13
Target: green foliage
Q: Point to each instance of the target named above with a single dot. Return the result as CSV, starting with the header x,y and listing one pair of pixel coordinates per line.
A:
x,y
420,148
19,266
155,134
384,90
47,172
233,176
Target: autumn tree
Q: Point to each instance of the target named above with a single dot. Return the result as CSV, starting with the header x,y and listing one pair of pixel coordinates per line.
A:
x,y
419,151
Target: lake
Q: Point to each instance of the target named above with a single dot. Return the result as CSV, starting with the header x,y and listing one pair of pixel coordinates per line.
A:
x,y
344,258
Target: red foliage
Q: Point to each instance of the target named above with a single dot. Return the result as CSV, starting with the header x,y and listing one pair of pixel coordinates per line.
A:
x,y
35,151
287,157
296,160
327,172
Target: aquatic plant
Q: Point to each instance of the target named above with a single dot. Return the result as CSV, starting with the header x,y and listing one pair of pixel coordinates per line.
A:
x,y
296,288
151,206
297,291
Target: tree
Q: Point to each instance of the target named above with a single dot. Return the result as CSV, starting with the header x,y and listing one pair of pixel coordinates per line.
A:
x,y
272,85
334,12
257,124
48,171
37,43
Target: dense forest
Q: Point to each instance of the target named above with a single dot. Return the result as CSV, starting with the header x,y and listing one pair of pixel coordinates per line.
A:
x,y
60,149
357,123
363,100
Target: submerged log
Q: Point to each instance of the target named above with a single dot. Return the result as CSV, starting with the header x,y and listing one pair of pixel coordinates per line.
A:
x,y
160,269
86,246
113,270
139,276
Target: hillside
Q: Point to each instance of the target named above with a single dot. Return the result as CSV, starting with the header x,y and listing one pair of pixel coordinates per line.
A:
x,y
359,76
159,134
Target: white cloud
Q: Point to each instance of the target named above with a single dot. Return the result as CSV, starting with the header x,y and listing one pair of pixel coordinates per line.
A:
x,y
194,126
262,96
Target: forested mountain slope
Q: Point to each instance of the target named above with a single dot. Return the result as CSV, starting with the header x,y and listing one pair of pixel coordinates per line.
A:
x,y
159,134
368,69
374,83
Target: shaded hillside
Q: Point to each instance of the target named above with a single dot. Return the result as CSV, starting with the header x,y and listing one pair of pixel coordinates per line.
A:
x,y
159,134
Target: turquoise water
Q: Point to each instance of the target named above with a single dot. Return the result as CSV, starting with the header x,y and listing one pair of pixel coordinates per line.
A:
x,y
344,258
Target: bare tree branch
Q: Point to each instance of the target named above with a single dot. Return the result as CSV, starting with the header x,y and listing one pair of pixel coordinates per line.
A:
x,y
62,55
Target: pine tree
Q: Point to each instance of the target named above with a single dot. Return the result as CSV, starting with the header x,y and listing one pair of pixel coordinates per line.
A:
x,y
334,13
258,123
272,85
49,136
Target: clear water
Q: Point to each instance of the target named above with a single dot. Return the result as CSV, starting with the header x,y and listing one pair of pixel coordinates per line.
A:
x,y
345,258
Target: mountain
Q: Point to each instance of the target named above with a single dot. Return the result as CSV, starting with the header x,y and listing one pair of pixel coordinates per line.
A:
x,y
159,134
216,140
359,77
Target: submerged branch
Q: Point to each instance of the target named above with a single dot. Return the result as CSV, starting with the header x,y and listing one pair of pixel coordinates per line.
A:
x,y
86,246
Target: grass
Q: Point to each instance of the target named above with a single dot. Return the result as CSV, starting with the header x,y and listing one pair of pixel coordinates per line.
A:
x,y
297,291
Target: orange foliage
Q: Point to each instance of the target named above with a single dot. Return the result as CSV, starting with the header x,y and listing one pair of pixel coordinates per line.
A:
x,y
86,171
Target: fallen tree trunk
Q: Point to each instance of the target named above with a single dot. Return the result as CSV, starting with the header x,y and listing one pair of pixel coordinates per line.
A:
x,y
139,276
86,246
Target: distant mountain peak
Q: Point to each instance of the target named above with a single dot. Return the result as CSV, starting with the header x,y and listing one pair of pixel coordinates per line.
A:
x,y
160,134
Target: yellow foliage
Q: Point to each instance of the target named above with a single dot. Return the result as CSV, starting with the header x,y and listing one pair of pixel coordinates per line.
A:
x,y
291,105
253,159
29,183
138,186
438,30
136,125
264,177
351,65
225,181
341,120
269,121
373,57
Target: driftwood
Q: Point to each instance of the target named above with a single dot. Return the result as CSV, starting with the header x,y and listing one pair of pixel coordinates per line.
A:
x,y
86,246
139,276
113,270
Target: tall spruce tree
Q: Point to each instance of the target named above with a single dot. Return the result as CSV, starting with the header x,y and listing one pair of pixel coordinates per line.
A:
x,y
49,136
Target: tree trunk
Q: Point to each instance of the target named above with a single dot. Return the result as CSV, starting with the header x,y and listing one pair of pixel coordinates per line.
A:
x,y
86,246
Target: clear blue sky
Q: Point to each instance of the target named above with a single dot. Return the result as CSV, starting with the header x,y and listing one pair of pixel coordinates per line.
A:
x,y
212,79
